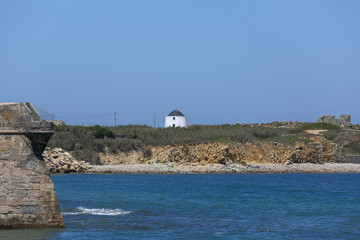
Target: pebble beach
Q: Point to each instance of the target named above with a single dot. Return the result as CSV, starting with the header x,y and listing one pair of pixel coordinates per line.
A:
x,y
158,168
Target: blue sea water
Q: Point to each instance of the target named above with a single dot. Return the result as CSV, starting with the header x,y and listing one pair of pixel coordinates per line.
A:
x,y
205,206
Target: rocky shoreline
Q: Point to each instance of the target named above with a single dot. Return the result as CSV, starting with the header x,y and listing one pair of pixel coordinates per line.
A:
x,y
60,162
158,168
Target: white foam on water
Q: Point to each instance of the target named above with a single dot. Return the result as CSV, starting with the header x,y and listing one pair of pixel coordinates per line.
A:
x,y
98,211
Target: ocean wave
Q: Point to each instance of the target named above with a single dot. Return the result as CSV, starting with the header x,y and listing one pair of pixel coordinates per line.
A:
x,y
97,211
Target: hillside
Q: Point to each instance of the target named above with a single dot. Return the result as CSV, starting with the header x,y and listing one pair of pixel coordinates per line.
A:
x,y
278,142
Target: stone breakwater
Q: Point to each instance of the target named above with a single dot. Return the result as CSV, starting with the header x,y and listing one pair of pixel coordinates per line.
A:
x,y
157,168
60,161
27,194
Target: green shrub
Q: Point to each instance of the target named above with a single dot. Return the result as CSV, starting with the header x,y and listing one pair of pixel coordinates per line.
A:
x,y
330,135
101,132
65,140
296,130
352,148
320,126
262,133
147,153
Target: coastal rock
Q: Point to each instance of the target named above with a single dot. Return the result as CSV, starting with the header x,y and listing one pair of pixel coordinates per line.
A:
x,y
318,150
132,157
60,161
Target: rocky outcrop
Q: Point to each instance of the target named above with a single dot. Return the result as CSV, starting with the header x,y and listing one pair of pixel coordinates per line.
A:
x,y
59,161
317,150
27,194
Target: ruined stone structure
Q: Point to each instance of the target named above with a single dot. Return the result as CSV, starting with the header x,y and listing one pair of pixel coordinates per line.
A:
x,y
344,120
27,194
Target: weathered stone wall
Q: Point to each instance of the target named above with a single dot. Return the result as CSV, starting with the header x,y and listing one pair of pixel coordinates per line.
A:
x,y
27,194
344,119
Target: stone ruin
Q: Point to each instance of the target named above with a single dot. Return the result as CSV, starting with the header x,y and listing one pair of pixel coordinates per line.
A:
x,y
344,120
27,194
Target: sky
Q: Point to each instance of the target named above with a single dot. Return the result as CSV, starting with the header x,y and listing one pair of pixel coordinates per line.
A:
x,y
218,62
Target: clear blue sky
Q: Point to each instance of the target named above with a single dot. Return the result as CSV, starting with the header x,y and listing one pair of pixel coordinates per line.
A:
x,y
216,61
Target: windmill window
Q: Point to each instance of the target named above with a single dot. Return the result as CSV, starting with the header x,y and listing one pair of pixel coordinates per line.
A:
x,y
173,118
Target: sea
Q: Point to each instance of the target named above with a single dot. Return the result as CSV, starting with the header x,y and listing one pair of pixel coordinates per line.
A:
x,y
204,206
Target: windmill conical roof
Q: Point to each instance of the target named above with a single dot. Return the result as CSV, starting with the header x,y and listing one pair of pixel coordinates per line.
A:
x,y
176,113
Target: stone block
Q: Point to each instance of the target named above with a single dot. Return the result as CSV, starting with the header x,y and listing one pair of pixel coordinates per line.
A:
x,y
29,217
17,180
34,193
27,186
3,191
30,209
19,194
4,209
12,201
11,217
30,201
34,179
2,200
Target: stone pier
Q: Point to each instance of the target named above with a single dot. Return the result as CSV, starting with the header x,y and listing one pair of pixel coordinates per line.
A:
x,y
27,194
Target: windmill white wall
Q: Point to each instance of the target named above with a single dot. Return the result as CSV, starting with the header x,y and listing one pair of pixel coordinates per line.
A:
x,y
175,119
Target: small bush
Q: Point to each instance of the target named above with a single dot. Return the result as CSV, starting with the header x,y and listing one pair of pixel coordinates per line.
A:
x,y
148,153
296,130
101,132
263,133
330,135
65,140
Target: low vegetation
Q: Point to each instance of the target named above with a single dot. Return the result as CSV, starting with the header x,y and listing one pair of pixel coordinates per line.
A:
x,y
87,142
320,126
